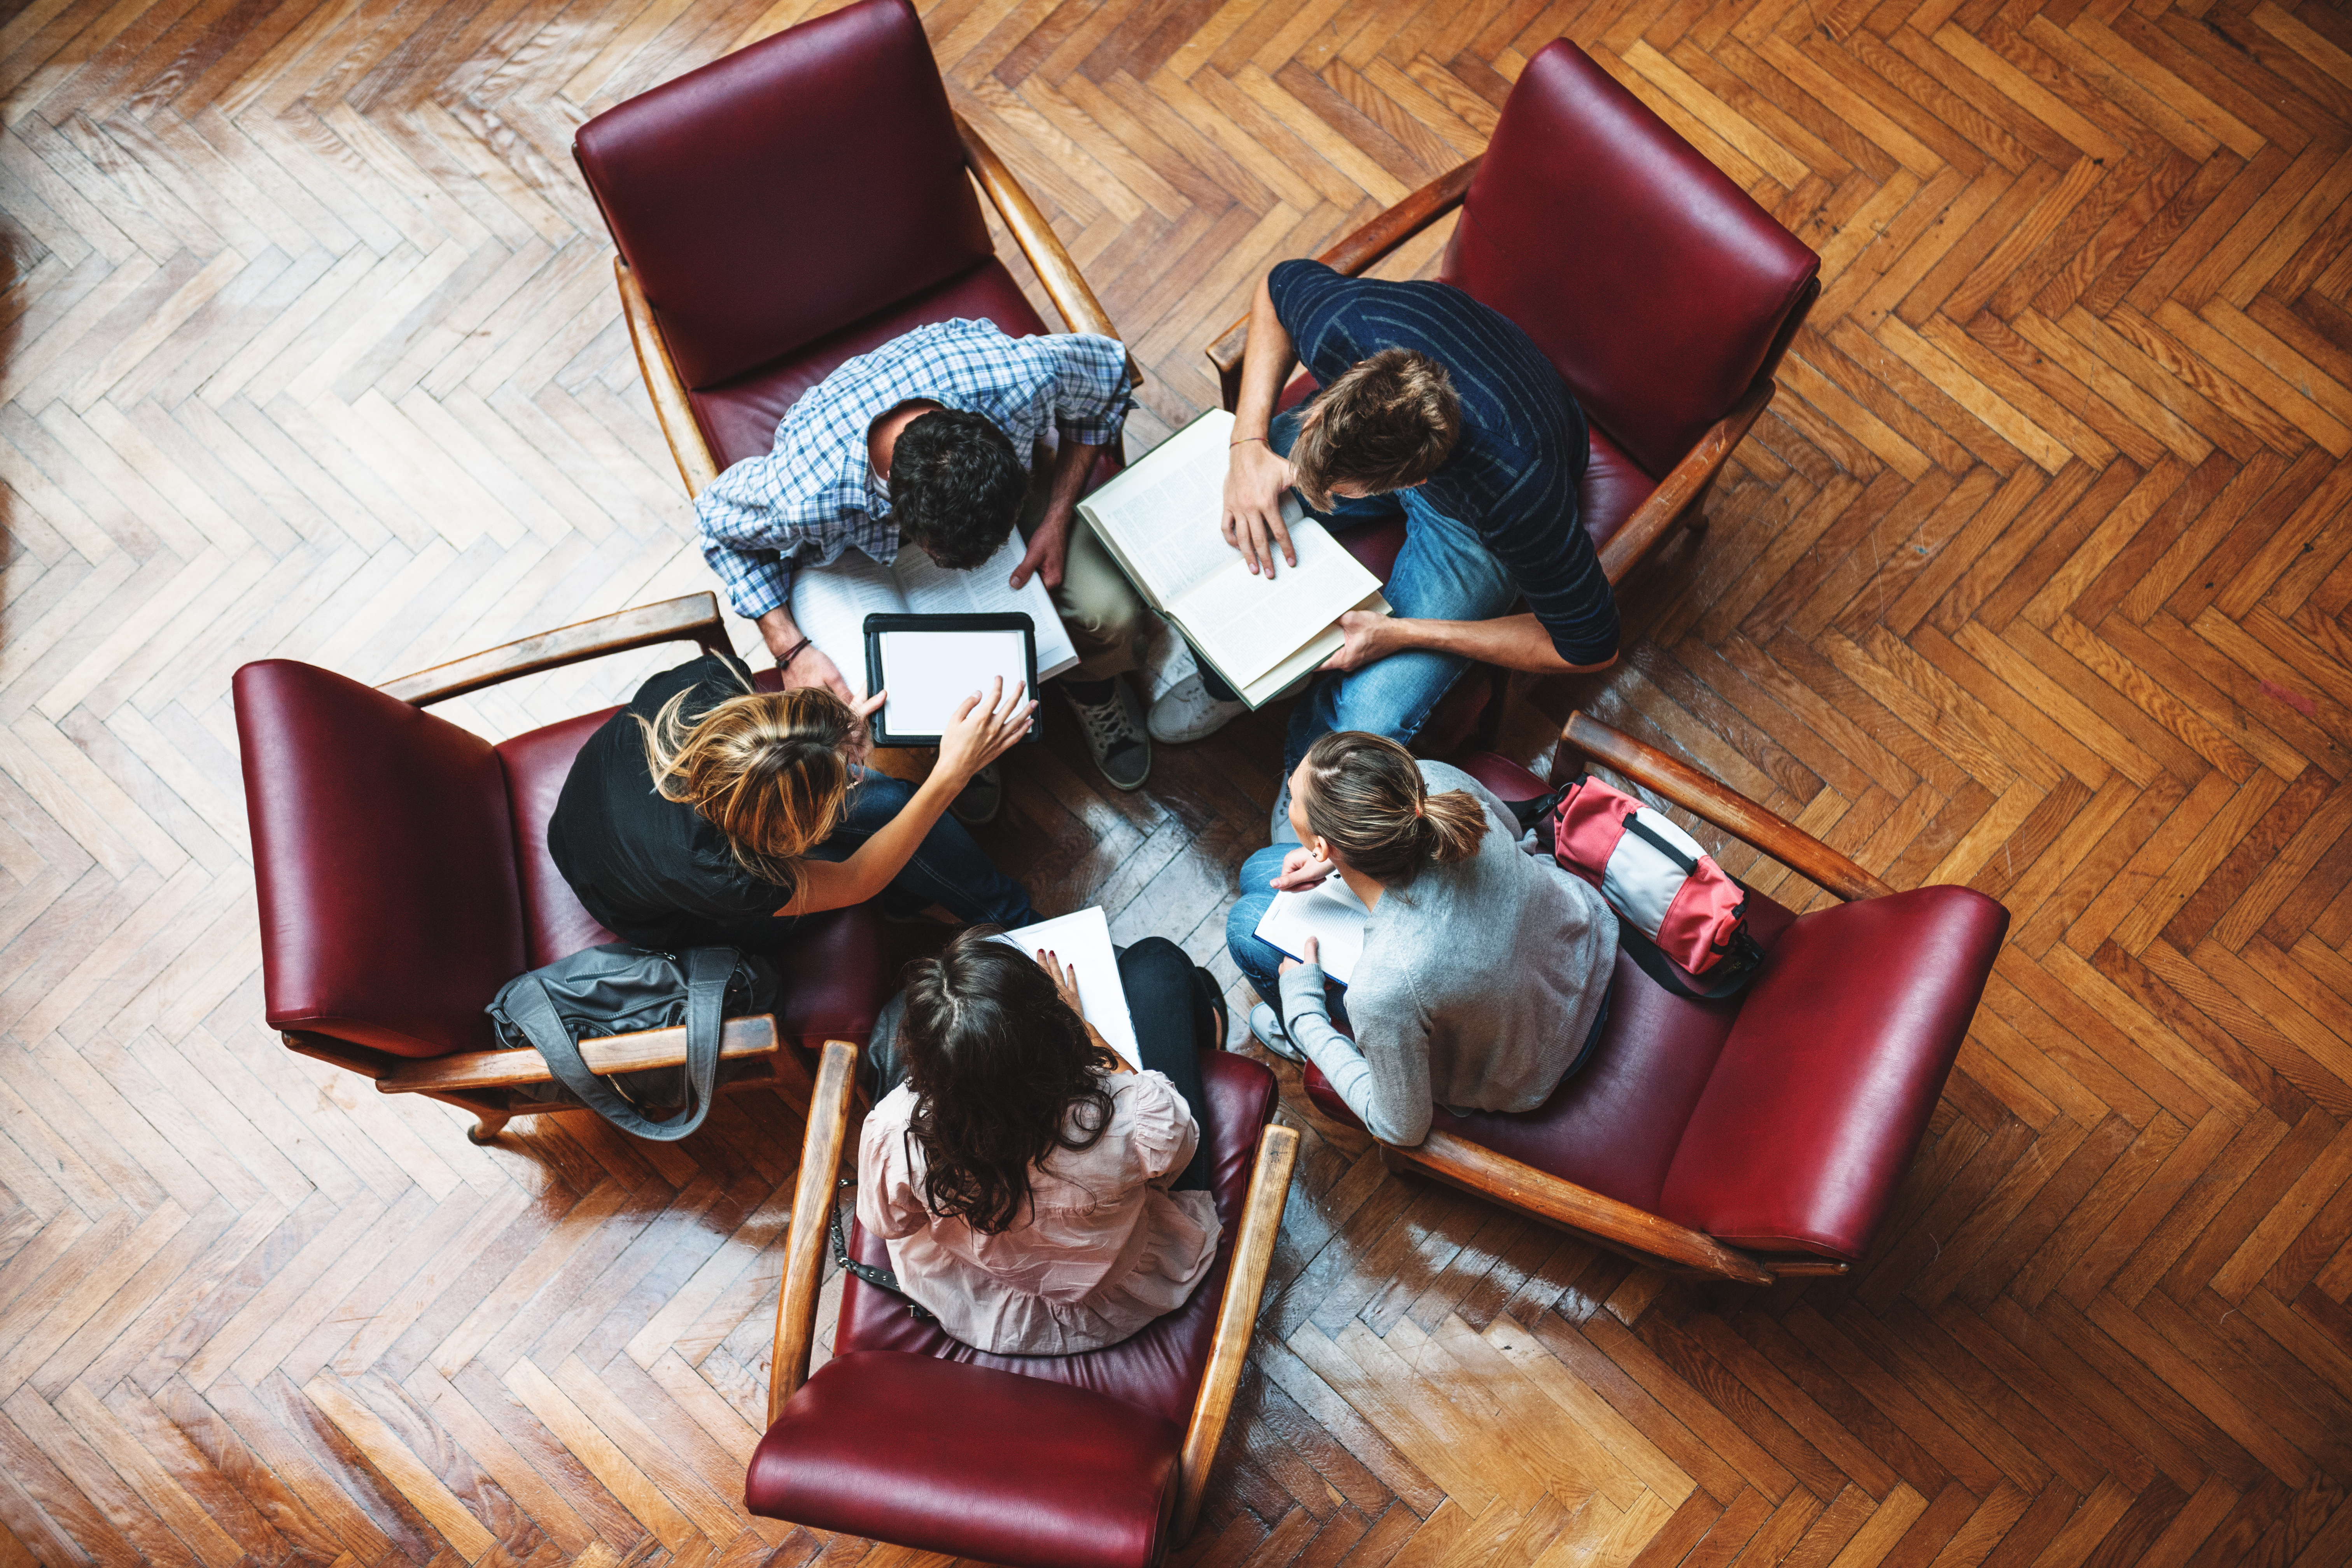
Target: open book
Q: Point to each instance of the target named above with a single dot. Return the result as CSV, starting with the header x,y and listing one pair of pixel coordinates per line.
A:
x,y
1159,521
1082,942
830,603
1332,914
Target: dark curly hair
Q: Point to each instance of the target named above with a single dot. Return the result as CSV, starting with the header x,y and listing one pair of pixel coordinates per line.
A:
x,y
956,485
1003,1074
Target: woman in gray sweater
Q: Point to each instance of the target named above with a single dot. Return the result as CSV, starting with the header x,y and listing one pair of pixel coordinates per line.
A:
x,y
1484,971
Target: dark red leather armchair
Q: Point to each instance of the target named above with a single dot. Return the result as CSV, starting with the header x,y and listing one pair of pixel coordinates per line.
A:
x,y
1081,1462
1759,1136
1662,292
404,877
794,204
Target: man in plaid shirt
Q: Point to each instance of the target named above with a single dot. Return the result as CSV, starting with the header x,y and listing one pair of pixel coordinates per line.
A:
x,y
929,440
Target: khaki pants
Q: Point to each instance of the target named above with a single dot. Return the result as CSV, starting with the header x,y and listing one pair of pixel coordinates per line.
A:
x,y
1098,606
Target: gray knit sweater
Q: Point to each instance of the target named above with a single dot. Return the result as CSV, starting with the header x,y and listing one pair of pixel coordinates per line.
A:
x,y
1478,983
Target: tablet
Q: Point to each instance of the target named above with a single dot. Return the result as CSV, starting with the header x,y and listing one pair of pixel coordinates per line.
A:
x,y
929,664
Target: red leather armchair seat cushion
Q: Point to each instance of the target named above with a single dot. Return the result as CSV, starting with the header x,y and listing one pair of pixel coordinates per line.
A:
x,y
384,858
969,1461
1056,1461
1825,1083
1158,1370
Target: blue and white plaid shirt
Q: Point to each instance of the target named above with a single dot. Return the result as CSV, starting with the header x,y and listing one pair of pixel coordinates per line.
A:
x,y
816,494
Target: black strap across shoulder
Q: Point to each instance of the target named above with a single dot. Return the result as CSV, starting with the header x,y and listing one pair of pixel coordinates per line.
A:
x,y
708,970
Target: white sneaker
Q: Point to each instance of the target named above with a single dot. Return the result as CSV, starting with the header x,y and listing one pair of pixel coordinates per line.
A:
x,y
1186,711
1267,1025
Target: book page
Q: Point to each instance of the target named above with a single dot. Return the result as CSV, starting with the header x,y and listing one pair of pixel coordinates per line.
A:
x,y
1159,517
932,589
830,604
1294,670
1082,941
1247,624
1332,914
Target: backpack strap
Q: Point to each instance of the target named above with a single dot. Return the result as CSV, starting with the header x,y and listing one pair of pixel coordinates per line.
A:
x,y
708,970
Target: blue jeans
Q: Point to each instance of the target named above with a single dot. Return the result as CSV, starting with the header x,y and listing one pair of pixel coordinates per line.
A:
x,y
949,867
1445,572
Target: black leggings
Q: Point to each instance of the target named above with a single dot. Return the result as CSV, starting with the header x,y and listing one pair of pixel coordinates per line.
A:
x,y
1178,1014
1175,1009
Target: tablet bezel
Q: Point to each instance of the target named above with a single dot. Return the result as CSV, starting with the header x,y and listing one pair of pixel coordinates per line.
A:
x,y
1003,621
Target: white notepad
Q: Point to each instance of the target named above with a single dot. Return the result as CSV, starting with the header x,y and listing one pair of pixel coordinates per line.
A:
x,y
1082,941
1332,914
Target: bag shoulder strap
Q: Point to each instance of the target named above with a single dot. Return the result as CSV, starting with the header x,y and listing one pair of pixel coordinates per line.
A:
x,y
880,1279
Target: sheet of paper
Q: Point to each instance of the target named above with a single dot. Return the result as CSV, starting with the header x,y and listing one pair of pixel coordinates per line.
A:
x,y
1249,624
932,589
1332,914
930,674
1083,942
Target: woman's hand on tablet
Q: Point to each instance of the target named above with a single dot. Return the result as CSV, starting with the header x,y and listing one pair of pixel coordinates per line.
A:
x,y
984,728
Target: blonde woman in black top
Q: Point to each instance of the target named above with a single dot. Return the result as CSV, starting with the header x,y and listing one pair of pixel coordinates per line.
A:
x,y
707,812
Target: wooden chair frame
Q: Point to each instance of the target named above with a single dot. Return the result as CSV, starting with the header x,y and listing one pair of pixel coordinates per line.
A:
x,y
1059,275
1679,495
812,1196
484,1082
1619,1226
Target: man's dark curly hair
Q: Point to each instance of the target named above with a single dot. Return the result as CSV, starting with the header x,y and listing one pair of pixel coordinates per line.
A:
x,y
956,486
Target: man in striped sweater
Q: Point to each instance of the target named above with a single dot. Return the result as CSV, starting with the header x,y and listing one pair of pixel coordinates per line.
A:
x,y
1438,407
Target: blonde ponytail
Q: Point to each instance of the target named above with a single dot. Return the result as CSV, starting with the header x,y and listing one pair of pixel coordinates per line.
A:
x,y
767,769
1364,796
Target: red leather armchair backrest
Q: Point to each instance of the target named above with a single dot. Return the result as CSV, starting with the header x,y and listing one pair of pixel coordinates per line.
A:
x,y
788,189
384,852
1659,289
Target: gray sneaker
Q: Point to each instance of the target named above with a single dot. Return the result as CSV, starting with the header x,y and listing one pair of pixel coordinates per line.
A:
x,y
1115,735
1267,1025
980,800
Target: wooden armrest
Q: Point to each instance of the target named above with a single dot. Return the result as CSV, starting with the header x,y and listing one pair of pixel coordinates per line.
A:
x,y
694,615
1063,284
687,449
1727,808
740,1038
828,1129
1522,1186
1681,487
1269,1189
1352,254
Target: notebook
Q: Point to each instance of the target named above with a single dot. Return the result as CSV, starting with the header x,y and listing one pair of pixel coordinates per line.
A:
x,y
1330,914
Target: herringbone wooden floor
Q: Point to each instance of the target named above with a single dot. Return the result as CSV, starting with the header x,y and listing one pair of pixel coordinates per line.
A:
x,y
2035,577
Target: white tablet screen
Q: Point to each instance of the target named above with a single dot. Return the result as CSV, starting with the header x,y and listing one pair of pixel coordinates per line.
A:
x,y
929,673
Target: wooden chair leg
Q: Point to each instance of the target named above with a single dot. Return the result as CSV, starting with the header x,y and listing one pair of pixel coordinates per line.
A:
x,y
487,1126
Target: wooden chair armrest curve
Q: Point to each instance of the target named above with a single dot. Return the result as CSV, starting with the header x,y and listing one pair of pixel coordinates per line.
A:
x,y
1522,1186
689,617
739,1039
1358,250
828,1128
1652,519
687,449
1059,275
1269,1189
1719,803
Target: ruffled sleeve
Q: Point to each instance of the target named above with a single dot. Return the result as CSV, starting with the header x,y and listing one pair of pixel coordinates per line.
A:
x,y
889,1204
1163,1133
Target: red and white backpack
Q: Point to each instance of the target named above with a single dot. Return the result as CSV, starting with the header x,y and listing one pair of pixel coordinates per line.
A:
x,y
1679,915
